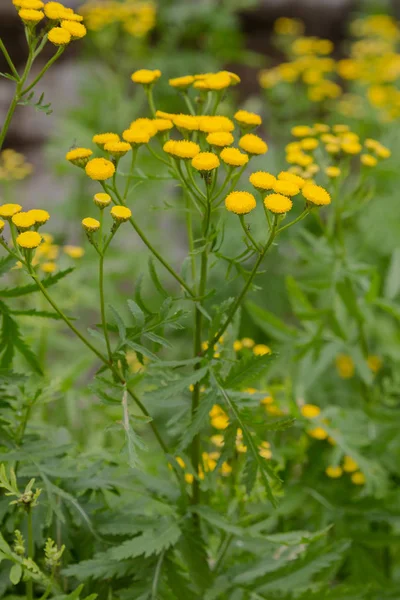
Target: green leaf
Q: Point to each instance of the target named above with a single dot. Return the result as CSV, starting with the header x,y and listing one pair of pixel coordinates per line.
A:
x,y
279,424
157,283
246,371
15,574
45,314
349,298
194,554
298,299
6,263
120,324
392,281
149,542
157,339
269,323
33,287
177,386
137,313
141,350
11,340
200,418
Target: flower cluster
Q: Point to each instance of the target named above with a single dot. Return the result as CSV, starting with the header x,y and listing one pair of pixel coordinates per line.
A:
x,y
137,17
64,25
13,166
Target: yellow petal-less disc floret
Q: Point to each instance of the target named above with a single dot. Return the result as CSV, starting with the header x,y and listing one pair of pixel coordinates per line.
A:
x,y
316,194
31,16
74,251
102,199
309,143
368,160
287,188
136,137
117,149
186,122
102,138
79,156
23,221
302,131
334,472
48,267
382,151
205,161
181,149
121,213
2,225
252,144
163,124
89,224
35,4
7,211
292,177
29,240
247,119
262,180
76,30
100,169
233,157
333,172
59,36
278,204
240,203
39,215
181,82
146,76
349,464
318,433
220,139
55,11
213,123
310,411
261,350
358,478
216,81
351,147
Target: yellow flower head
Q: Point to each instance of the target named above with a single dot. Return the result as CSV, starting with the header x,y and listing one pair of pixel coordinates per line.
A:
x,y
333,172
100,169
76,30
136,137
321,128
144,124
349,464
340,128
2,225
237,345
368,160
220,139
299,158
74,251
205,161
102,199
59,36
358,478
90,224
121,213
316,194
55,11
163,124
345,366
146,76
181,149
217,440
264,450
226,469
302,131
23,221
181,82
287,188
186,122
252,144
35,4
215,82
217,123
48,267
262,180
277,203
309,143
117,149
382,151
261,349
247,119
79,156
351,147
233,157
31,16
292,177
102,138
247,342
29,240
240,203
334,472
332,148
7,211
318,433
374,363
71,16
310,411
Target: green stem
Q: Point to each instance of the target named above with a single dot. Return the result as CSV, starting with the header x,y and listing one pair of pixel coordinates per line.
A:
x,y
189,226
157,156
188,102
190,174
43,71
102,307
29,583
8,59
248,234
299,218
129,179
150,99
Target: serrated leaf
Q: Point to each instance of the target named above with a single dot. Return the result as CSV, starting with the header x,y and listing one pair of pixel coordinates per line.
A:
x,y
177,386
142,350
119,322
199,420
392,281
137,313
157,283
157,339
6,263
149,542
247,371
33,287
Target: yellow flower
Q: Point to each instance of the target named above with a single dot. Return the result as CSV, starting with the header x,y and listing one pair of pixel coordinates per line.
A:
x,y
292,177
181,82
340,128
286,26
136,137
351,147
332,148
233,157
237,345
302,131
358,478
310,411
2,225
247,119
240,203
247,342
318,433
220,421
41,216
117,149
121,213
287,188
181,149
35,4
217,123
205,161
264,450
226,469
144,124
253,144
90,224
261,350
262,180
220,139
31,16
189,478
77,30
321,128
59,36
299,158
309,143
102,199
334,472
9,210
277,203
345,366
217,440
23,221
333,172
240,447
29,239
349,464
163,124
74,251
145,76
186,122
71,16
216,82
374,363
180,462
368,160
79,156
100,169
48,267
316,194
102,138
382,151
55,11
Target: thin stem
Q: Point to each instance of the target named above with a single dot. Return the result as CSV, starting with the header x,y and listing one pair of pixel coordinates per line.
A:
x,y
188,102
43,71
8,59
150,99
196,187
157,575
248,234
189,226
29,583
102,307
299,218
234,180
157,156
226,542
